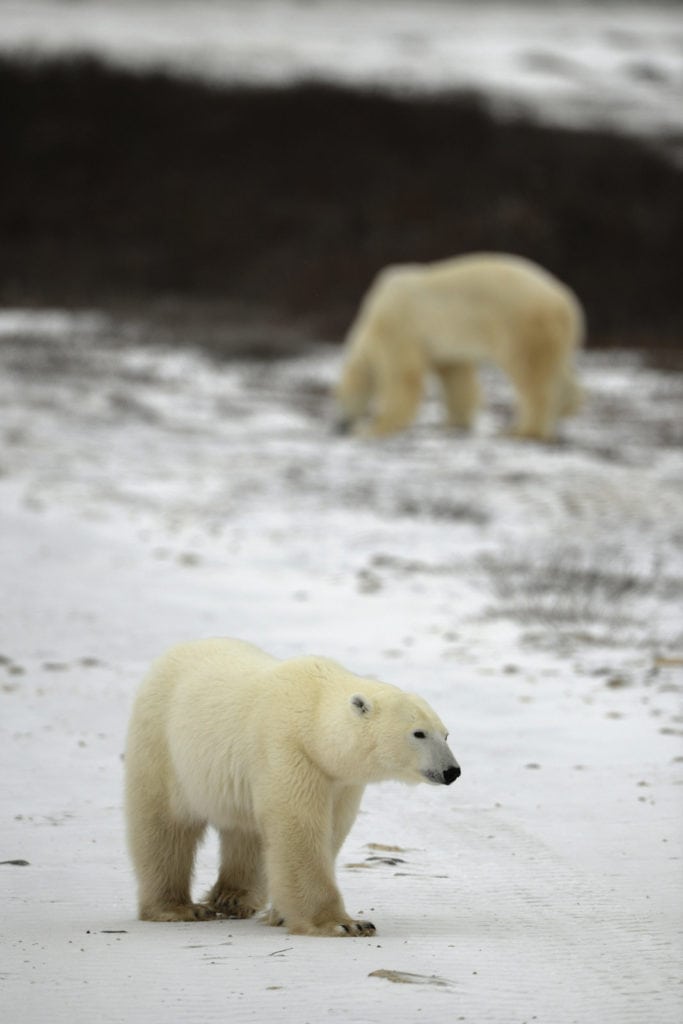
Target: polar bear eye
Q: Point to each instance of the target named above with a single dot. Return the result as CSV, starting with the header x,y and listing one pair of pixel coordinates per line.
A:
x,y
418,734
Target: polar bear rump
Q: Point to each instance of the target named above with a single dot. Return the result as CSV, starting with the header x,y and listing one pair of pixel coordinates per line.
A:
x,y
448,317
275,755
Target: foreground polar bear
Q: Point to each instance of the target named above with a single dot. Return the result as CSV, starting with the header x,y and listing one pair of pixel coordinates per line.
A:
x,y
275,755
448,317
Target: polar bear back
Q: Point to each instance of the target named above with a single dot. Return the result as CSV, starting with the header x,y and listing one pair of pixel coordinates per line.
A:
x,y
484,300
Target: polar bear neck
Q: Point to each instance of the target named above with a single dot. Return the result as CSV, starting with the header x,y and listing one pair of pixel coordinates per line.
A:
x,y
333,738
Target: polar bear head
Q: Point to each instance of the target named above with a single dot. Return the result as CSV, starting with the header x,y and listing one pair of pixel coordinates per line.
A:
x,y
402,738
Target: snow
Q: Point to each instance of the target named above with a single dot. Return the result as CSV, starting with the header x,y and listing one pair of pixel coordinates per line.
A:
x,y
531,593
571,63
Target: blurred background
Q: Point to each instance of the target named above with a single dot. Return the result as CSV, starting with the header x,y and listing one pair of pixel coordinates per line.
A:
x,y
189,190
236,172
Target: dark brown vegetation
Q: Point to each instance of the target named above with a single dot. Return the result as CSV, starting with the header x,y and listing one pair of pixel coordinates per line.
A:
x,y
122,188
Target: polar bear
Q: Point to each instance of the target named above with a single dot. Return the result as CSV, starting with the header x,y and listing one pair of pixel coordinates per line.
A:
x,y
275,755
448,317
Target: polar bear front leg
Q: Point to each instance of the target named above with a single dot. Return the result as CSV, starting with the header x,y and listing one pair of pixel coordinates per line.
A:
x,y
344,812
300,872
397,400
537,408
353,393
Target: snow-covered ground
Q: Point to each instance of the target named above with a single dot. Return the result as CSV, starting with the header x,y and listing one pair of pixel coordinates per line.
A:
x,y
615,63
533,594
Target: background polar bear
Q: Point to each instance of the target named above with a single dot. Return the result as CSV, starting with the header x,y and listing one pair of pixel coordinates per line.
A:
x,y
275,755
448,317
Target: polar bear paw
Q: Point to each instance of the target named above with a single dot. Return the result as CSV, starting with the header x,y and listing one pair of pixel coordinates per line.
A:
x,y
341,929
338,929
231,903
178,912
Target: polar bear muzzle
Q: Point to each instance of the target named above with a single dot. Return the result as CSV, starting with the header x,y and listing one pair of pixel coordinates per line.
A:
x,y
439,766
445,777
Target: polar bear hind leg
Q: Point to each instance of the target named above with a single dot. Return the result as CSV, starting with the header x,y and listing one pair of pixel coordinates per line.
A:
x,y
571,394
164,863
162,847
537,404
461,393
538,366
239,890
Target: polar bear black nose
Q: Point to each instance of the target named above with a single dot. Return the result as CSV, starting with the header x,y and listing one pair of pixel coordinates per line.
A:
x,y
451,774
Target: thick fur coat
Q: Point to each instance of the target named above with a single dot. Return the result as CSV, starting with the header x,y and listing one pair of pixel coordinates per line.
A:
x,y
275,755
448,317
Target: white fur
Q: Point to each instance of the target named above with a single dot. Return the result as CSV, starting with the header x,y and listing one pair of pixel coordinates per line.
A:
x,y
275,755
449,316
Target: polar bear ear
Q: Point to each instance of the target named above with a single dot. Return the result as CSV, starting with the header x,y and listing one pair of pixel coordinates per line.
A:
x,y
360,704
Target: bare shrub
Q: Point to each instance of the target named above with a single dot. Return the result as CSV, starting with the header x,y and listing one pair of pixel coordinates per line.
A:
x,y
600,595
